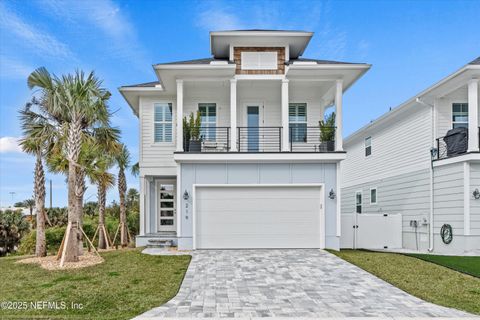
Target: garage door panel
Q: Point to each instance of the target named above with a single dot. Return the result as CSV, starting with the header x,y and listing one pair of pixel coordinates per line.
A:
x,y
276,217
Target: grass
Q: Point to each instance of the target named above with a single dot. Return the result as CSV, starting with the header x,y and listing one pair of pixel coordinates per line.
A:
x,y
468,265
425,280
125,285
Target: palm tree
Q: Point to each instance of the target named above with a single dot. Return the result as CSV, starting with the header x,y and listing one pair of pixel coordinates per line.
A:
x,y
123,162
104,180
30,204
135,170
39,135
79,104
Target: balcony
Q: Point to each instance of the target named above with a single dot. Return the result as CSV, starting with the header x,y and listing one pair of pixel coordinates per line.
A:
x,y
302,139
452,145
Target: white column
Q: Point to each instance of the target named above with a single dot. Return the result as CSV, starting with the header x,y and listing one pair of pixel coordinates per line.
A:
x,y
473,115
233,115
143,212
338,115
179,115
285,124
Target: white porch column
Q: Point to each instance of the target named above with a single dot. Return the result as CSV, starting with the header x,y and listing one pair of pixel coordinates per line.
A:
x,y
473,115
179,115
233,115
285,123
338,115
142,205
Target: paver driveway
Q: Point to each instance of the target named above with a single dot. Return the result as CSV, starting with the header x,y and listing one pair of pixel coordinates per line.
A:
x,y
287,283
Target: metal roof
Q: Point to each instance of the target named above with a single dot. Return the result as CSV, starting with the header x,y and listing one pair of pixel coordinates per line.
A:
x,y
476,61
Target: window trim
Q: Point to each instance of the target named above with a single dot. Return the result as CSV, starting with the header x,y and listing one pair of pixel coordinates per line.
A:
x,y
170,103
210,104
296,105
361,201
458,122
365,147
376,196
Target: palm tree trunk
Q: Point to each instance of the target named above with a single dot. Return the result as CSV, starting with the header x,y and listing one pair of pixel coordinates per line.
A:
x,y
79,193
73,151
41,245
102,242
122,189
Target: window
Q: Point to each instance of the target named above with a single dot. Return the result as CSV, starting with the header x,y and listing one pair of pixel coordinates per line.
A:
x,y
297,118
163,122
259,60
368,146
460,115
358,202
373,196
208,118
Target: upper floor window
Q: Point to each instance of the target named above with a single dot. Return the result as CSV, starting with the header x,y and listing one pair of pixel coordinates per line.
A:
x,y
358,202
297,118
208,118
460,115
163,122
368,146
373,196
266,60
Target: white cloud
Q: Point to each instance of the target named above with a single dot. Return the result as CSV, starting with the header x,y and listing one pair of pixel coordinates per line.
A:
x,y
217,18
39,40
9,144
14,69
110,21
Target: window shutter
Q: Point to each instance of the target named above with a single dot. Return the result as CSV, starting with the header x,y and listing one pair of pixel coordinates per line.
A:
x,y
259,60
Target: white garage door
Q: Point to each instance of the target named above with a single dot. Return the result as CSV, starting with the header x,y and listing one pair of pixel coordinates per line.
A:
x,y
258,217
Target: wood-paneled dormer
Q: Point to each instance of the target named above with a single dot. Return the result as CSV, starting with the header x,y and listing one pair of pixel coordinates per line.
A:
x,y
259,60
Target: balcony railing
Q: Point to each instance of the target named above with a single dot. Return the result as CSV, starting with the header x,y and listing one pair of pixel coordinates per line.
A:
x,y
264,139
447,147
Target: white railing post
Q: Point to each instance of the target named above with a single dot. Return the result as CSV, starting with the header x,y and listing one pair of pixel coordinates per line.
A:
x,y
338,115
285,124
473,115
233,115
179,115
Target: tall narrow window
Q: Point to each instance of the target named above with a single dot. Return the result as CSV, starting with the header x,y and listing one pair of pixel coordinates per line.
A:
x,y
208,117
368,146
163,122
373,196
460,115
297,117
358,202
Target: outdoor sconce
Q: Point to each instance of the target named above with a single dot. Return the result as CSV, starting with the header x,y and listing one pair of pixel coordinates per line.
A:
x,y
331,194
186,195
476,194
433,153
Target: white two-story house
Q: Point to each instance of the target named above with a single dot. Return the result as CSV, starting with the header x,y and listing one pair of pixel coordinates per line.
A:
x,y
422,160
258,171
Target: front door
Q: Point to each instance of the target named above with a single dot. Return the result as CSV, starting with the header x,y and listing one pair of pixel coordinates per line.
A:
x,y
253,130
166,210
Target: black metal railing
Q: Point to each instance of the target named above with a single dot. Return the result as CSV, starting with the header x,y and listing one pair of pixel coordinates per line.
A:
x,y
212,139
311,139
451,146
259,139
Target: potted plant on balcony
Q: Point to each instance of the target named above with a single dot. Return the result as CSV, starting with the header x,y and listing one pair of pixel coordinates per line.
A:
x,y
327,133
195,141
186,134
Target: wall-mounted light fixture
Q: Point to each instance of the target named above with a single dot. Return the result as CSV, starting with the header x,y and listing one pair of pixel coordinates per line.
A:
x,y
186,195
434,153
331,194
476,194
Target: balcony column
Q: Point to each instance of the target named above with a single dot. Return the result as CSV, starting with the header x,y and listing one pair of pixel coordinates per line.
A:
x,y
233,115
338,115
285,124
473,115
179,115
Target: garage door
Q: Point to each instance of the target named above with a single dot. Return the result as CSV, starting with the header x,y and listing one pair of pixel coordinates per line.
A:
x,y
258,217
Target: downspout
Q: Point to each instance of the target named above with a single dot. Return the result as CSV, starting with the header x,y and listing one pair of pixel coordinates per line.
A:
x,y
432,133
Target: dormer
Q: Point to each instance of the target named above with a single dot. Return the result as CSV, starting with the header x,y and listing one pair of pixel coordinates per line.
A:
x,y
259,51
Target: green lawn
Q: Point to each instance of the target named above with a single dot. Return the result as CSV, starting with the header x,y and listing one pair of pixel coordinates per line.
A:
x,y
125,285
428,281
468,265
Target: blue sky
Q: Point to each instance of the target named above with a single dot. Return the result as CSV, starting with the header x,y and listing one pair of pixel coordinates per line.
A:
x,y
411,45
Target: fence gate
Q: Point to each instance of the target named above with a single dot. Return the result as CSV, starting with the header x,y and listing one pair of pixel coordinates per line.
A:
x,y
371,231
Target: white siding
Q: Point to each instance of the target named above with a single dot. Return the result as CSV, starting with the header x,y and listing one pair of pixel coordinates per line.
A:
x,y
474,204
398,147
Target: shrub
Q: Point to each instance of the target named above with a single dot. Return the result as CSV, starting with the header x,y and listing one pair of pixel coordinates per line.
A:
x,y
12,227
53,235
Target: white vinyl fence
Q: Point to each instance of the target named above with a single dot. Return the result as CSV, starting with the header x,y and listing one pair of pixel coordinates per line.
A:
x,y
371,231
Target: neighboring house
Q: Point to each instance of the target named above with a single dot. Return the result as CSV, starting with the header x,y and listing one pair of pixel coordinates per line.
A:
x,y
262,175
401,163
